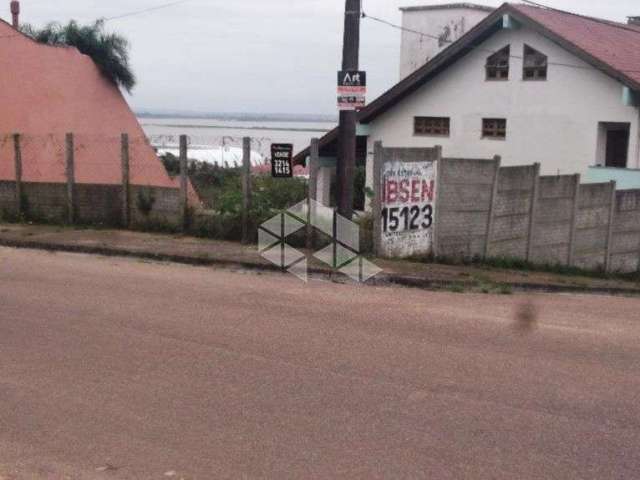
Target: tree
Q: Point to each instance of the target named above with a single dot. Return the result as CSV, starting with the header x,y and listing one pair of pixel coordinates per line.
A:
x,y
109,51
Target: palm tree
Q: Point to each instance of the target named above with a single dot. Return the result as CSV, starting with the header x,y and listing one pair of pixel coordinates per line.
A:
x,y
109,51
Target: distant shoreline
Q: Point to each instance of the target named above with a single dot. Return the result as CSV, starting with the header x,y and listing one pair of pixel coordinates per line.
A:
x,y
236,127
275,117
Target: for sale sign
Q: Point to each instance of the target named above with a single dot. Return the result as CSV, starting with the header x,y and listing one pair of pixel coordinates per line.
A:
x,y
408,201
352,89
281,160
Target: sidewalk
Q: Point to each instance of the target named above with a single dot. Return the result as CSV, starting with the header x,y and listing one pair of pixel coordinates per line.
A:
x,y
194,251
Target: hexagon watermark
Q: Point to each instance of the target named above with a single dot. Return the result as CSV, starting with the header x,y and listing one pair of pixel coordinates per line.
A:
x,y
342,254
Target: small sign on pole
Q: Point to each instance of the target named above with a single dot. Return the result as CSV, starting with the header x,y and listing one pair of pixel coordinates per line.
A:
x,y
281,160
352,89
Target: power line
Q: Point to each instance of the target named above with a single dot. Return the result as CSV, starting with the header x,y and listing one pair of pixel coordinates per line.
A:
x,y
146,10
487,50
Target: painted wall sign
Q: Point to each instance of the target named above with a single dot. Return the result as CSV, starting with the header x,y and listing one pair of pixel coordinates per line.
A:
x,y
408,202
352,89
281,160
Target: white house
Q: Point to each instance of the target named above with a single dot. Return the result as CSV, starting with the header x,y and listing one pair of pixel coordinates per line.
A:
x,y
533,85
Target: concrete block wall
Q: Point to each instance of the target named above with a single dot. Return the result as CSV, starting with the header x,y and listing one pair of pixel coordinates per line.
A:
x,y
7,198
464,198
552,220
593,219
94,204
165,204
98,204
512,210
625,238
45,201
551,237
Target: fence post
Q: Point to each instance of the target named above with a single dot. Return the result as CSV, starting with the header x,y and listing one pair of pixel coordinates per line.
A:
x,y
612,213
18,168
378,159
439,167
533,210
70,174
246,188
126,195
184,183
574,220
494,195
314,158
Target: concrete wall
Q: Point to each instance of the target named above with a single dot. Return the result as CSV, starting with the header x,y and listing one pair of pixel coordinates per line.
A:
x,y
553,122
512,211
625,241
592,225
446,24
484,210
464,198
551,235
94,204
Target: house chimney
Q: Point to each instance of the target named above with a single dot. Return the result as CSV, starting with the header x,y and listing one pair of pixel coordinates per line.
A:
x,y
15,13
634,21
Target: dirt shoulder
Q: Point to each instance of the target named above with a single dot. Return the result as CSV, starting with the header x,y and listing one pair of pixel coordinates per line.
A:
x,y
196,251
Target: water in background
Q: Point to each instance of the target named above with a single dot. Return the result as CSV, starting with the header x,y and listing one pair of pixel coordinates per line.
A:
x,y
220,141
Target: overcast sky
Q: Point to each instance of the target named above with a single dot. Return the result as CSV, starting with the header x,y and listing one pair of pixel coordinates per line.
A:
x,y
267,56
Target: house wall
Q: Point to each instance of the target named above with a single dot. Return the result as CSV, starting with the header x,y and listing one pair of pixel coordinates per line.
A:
x,y
553,122
446,23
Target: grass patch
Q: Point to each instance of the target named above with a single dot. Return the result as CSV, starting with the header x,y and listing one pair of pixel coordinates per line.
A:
x,y
515,264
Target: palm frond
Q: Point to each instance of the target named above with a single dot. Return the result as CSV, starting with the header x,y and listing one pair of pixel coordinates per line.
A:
x,y
109,51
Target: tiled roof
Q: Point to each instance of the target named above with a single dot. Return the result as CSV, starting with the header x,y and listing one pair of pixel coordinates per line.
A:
x,y
615,44
48,91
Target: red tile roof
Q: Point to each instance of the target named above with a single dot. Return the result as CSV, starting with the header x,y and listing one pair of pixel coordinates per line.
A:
x,y
48,91
615,44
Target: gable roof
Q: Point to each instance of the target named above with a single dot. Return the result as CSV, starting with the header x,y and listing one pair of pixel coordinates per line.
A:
x,y
51,90
611,47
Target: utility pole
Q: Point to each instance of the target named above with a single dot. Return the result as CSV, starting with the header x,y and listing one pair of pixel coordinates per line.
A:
x,y
347,128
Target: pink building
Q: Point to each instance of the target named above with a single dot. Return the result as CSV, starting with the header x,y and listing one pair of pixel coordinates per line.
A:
x,y
49,91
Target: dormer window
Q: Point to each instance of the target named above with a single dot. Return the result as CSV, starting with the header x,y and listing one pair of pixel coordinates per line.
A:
x,y
535,64
498,65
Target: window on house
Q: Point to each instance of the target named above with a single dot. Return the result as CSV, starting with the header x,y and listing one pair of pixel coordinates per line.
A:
x,y
498,65
494,128
535,64
436,126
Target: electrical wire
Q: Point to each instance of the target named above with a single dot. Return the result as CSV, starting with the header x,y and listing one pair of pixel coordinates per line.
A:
x,y
146,10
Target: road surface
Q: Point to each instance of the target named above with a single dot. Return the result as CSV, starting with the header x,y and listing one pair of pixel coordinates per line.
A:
x,y
121,369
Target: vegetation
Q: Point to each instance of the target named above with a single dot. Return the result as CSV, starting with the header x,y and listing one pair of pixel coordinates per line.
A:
x,y
109,51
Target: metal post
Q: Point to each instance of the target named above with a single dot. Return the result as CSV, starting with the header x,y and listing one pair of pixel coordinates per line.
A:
x,y
18,169
184,182
378,154
347,128
70,174
126,196
246,188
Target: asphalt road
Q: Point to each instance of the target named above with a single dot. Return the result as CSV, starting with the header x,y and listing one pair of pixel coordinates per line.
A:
x,y
119,369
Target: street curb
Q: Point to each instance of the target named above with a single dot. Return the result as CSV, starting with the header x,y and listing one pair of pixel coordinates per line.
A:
x,y
381,280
